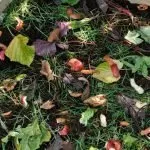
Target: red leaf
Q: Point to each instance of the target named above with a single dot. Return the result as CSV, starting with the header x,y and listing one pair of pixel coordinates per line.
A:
x,y
64,131
75,64
2,55
113,145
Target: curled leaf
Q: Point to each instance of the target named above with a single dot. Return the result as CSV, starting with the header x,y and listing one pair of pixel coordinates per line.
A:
x,y
54,35
44,48
20,24
124,123
74,94
75,64
113,145
23,101
47,105
46,70
64,131
97,100
145,131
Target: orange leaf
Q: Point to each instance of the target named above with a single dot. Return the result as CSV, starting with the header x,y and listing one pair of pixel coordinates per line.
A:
x,y
54,35
75,64
71,14
145,132
20,24
87,72
113,145
124,123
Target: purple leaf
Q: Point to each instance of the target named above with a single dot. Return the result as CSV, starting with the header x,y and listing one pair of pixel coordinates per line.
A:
x,y
44,48
64,27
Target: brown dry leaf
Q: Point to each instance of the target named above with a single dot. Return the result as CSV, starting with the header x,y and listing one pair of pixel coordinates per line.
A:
x,y
61,120
7,114
47,105
142,7
87,72
86,91
46,70
65,112
9,84
54,35
97,100
74,94
145,132
1,33
71,14
124,123
20,24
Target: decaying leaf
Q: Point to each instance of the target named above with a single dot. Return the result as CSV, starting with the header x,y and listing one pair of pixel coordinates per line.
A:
x,y
113,145
44,48
7,114
47,105
46,70
75,64
142,7
61,120
87,72
2,51
19,51
97,100
86,115
102,5
145,131
133,107
65,131
71,14
20,24
103,120
23,100
124,124
54,35
74,94
9,84
146,2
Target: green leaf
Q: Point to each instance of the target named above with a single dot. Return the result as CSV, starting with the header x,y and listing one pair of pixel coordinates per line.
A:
x,y
133,37
19,51
103,73
93,148
85,116
20,77
144,70
138,64
70,2
145,33
128,140
147,60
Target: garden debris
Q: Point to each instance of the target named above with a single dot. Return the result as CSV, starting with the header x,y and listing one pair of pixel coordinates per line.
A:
x,y
72,14
65,131
23,101
87,72
103,120
137,88
145,131
95,101
9,84
47,105
61,120
2,51
142,7
20,24
74,94
124,124
54,35
102,5
6,114
113,144
86,115
46,70
146,2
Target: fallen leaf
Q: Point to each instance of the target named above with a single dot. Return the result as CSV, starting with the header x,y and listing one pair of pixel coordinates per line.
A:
x,y
142,7
97,100
9,84
65,131
54,35
87,72
103,72
103,120
7,114
20,24
113,145
44,48
1,33
47,105
19,51
86,91
65,112
145,131
102,5
75,64
86,115
129,141
72,14
2,51
146,2
74,94
46,70
63,46
93,148
124,124
23,100
61,120
144,31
